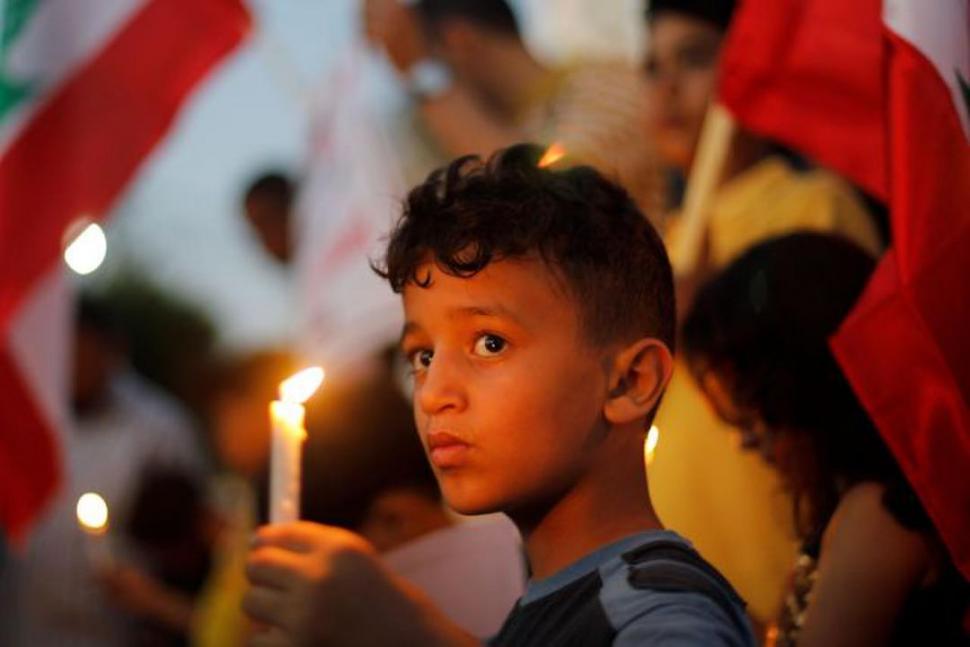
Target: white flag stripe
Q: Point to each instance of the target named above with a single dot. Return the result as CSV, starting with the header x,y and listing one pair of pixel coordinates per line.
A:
x,y
60,37
941,31
40,339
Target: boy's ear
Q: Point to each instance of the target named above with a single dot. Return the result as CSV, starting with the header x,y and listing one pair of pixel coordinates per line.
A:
x,y
638,378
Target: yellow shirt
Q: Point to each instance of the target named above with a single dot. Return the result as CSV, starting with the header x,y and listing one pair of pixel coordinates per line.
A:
x,y
728,503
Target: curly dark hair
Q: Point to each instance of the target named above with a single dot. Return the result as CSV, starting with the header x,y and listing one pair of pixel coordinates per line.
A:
x,y
763,324
585,228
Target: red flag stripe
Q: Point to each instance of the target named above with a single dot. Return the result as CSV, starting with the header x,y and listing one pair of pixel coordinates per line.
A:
x,y
905,349
86,143
808,74
29,462
901,376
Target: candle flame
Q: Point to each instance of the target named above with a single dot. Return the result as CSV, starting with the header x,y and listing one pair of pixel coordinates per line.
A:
x,y
92,512
87,250
650,446
299,387
553,154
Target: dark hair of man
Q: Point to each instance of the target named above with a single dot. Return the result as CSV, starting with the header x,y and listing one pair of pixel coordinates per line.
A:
x,y
274,186
716,12
495,15
763,325
585,228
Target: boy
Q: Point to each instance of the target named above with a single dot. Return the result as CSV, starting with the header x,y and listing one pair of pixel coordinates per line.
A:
x,y
539,318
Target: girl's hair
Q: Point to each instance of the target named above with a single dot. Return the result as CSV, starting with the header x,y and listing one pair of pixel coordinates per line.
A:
x,y
763,325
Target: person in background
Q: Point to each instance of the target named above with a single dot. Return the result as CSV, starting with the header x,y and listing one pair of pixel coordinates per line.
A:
x,y
268,208
872,569
402,513
240,392
173,528
472,570
54,593
726,502
765,191
480,88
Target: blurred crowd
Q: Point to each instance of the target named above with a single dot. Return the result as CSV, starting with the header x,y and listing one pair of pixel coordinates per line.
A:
x,y
766,459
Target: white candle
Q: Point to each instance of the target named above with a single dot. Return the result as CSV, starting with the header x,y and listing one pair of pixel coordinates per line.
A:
x,y
287,417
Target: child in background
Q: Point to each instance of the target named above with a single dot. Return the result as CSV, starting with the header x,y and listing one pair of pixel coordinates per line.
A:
x,y
242,389
872,570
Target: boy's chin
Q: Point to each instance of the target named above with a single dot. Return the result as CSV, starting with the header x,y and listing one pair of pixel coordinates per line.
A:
x,y
470,504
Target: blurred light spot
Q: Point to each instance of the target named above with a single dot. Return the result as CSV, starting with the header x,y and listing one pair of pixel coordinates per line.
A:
x,y
299,387
92,512
553,154
87,250
650,446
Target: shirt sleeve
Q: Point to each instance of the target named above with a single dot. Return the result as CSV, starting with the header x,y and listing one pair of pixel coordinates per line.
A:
x,y
684,619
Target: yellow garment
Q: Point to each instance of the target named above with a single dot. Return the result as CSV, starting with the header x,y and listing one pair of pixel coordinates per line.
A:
x,y
218,620
771,199
728,503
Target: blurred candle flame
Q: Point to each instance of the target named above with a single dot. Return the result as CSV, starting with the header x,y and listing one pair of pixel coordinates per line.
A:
x,y
553,154
650,446
299,387
92,512
87,250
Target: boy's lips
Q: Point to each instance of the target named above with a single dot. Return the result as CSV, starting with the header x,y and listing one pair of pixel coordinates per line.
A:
x,y
446,450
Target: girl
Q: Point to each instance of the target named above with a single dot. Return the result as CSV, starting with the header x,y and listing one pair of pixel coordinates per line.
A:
x,y
872,570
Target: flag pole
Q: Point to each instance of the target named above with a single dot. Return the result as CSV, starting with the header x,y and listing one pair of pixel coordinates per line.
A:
x,y
705,176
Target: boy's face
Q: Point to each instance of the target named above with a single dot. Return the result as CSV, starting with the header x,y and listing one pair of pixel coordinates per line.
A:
x,y
508,394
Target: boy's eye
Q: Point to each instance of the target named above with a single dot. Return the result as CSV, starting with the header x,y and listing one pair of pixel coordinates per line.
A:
x,y
420,359
488,345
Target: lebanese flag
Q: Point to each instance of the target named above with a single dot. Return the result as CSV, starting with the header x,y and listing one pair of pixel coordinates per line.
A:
x,y
87,89
879,91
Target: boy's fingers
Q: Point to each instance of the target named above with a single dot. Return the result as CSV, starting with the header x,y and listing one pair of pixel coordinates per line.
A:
x,y
270,637
265,606
273,567
301,536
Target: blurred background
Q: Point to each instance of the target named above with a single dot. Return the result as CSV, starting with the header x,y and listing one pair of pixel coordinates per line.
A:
x,y
192,193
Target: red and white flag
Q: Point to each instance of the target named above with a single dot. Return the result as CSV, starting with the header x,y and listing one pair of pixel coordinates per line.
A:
x,y
87,89
878,90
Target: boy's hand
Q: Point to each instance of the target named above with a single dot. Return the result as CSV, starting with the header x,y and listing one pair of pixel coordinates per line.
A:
x,y
318,585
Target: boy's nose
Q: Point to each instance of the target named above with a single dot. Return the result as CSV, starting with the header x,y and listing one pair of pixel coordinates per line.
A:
x,y
442,389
